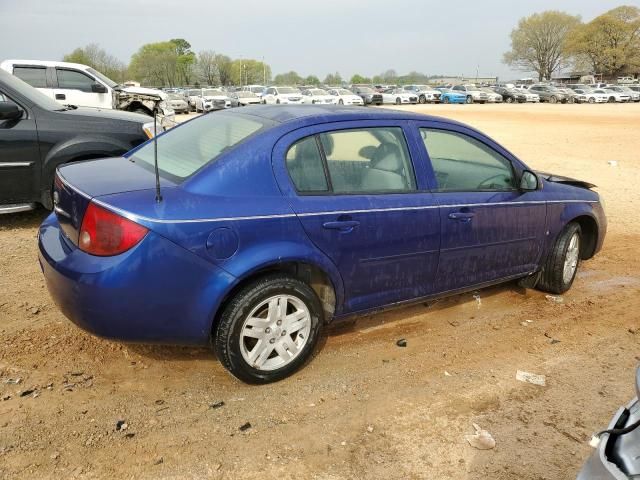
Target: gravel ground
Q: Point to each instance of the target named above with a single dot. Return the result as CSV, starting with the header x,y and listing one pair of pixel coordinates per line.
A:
x,y
363,408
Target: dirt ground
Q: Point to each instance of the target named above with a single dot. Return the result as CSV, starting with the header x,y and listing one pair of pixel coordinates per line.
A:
x,y
364,408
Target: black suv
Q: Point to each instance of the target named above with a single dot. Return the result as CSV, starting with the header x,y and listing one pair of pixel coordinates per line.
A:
x,y
37,134
369,95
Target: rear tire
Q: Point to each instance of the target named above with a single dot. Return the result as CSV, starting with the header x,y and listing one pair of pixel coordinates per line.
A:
x,y
562,263
236,339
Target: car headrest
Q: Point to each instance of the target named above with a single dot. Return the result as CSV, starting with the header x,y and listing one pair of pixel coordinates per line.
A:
x,y
387,158
327,143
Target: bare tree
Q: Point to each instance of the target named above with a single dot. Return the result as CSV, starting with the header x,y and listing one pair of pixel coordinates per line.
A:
x,y
538,44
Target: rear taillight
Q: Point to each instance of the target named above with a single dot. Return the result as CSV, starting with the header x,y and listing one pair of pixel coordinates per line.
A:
x,y
105,233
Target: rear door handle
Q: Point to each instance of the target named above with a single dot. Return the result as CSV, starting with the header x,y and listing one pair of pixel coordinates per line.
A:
x,y
61,96
343,225
462,216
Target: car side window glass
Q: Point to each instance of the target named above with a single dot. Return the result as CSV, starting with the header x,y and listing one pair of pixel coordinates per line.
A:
x,y
73,80
371,160
34,76
462,163
305,166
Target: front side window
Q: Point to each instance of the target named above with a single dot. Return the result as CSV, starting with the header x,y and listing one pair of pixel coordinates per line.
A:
x,y
305,166
371,160
74,80
34,76
462,163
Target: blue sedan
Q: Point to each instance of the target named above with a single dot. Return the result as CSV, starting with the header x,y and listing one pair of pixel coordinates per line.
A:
x,y
275,220
451,96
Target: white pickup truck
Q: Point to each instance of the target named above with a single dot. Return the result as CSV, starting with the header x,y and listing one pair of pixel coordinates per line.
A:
x,y
80,85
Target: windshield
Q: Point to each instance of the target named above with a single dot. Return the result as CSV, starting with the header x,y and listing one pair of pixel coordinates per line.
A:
x,y
317,91
288,90
34,95
257,89
176,96
365,89
184,150
246,94
110,83
211,93
193,93
422,87
342,91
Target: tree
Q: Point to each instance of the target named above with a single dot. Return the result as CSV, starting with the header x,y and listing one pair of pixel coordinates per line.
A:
x,y
333,79
610,43
289,78
214,68
247,71
357,78
155,64
185,60
97,58
538,44
311,80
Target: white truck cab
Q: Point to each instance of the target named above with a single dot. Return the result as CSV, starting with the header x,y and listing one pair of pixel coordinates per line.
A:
x,y
80,85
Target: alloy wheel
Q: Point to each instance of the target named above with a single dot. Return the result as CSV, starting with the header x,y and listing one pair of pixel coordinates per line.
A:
x,y
571,258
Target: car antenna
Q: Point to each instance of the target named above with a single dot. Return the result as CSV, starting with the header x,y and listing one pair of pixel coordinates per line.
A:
x,y
155,156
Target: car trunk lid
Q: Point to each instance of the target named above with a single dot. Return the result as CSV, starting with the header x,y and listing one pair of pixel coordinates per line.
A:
x,y
77,184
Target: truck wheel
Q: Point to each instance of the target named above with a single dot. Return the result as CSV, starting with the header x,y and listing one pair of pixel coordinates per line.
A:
x,y
269,329
560,268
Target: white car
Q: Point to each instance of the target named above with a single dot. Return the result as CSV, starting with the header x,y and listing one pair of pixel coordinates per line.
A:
x,y
317,95
212,99
590,96
256,89
346,97
80,85
531,97
613,95
474,94
425,93
191,95
492,96
399,96
282,95
633,96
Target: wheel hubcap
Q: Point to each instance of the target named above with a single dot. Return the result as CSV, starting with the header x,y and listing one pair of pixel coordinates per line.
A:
x,y
571,258
275,332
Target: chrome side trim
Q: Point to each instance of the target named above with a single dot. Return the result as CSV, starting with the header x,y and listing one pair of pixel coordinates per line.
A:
x,y
134,216
15,164
60,211
17,207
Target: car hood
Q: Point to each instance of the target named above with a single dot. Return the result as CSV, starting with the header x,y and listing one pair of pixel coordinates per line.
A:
x,y
550,177
215,97
108,114
145,91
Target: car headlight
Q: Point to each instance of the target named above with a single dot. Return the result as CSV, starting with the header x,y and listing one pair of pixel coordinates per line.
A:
x,y
148,129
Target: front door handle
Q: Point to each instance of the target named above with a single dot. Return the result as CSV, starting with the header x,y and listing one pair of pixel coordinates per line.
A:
x,y
345,226
61,96
462,216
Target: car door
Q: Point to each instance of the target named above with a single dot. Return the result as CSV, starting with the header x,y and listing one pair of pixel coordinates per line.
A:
x,y
490,229
76,88
19,157
360,197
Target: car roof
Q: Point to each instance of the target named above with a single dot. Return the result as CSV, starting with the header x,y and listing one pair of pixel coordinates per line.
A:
x,y
45,63
333,113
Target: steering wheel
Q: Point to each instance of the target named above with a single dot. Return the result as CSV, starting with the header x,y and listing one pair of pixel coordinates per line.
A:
x,y
489,182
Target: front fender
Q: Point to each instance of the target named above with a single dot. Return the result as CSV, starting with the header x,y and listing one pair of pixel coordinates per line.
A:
x,y
559,215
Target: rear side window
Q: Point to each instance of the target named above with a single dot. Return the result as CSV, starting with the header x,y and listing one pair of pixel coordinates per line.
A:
x,y
461,163
305,166
185,149
34,76
74,80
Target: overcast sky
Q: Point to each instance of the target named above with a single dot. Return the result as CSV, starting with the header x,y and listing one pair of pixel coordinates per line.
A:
x,y
348,36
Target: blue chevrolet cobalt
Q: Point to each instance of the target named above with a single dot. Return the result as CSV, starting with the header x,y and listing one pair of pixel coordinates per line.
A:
x,y
275,220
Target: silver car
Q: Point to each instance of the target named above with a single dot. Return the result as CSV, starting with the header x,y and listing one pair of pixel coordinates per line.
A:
x,y
617,454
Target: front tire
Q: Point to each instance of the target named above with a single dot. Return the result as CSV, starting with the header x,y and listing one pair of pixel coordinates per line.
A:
x,y
561,265
398,101
422,99
469,100
269,329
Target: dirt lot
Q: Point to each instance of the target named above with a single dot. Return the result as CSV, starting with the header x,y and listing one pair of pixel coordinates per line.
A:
x,y
364,408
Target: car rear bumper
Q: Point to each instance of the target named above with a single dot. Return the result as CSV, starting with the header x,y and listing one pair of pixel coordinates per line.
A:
x,y
599,465
156,292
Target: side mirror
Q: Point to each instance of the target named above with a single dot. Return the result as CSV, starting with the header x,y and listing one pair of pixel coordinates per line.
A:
x,y
98,88
529,181
9,111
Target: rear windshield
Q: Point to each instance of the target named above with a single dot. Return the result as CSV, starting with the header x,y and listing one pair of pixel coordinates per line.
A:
x,y
187,148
